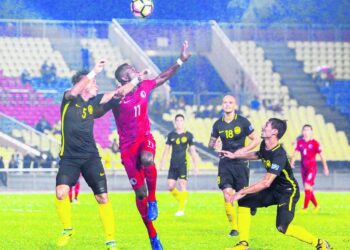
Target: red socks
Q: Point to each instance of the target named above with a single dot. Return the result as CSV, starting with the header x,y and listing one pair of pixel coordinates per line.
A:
x,y
76,190
142,207
313,199
151,180
307,198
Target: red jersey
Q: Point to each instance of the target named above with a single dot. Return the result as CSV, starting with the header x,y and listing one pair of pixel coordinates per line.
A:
x,y
131,115
308,151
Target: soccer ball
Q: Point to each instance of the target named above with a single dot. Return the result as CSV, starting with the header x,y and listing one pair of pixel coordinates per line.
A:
x,y
141,8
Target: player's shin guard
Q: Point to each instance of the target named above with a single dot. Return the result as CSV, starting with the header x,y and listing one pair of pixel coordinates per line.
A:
x,y
142,207
231,214
307,198
176,194
151,180
243,221
107,218
182,200
64,212
301,234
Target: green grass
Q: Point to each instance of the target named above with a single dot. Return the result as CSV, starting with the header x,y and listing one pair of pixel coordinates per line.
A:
x,y
29,221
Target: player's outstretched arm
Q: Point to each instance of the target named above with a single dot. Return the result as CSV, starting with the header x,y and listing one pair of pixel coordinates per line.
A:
x,y
168,73
80,86
324,164
254,141
257,187
212,143
239,155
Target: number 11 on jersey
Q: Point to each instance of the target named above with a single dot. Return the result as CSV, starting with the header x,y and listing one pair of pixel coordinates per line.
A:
x,y
137,110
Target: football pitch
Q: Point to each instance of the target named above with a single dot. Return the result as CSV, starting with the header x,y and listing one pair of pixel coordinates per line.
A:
x,y
29,221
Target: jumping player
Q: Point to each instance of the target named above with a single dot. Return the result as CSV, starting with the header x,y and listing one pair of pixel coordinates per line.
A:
x,y
79,154
180,141
278,187
137,146
309,148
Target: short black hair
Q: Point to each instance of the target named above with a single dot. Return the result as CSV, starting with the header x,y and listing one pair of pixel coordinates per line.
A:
x,y
179,115
280,125
307,125
79,75
118,71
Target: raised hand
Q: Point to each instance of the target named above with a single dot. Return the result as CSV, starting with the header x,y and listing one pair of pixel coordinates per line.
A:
x,y
99,66
184,53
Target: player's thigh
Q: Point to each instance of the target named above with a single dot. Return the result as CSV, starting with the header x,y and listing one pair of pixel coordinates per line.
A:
x,y
135,174
225,178
263,198
173,173
286,207
310,177
68,171
148,144
183,173
94,175
240,173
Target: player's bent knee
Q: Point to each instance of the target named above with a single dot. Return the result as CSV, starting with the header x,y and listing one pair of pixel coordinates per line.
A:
x,y
147,159
282,228
62,192
141,193
102,198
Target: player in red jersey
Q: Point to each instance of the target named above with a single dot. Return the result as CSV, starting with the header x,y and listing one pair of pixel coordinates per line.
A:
x,y
137,146
309,148
76,189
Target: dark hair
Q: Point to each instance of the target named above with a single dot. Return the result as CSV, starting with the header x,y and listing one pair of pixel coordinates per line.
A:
x,y
119,71
307,125
179,115
79,75
280,125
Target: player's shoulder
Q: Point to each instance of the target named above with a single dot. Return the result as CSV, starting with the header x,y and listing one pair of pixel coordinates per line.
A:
x,y
219,120
279,150
315,142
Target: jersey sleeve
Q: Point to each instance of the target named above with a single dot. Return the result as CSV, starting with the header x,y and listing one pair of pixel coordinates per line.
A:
x,y
318,147
148,85
215,130
278,163
168,139
247,127
190,139
297,146
96,100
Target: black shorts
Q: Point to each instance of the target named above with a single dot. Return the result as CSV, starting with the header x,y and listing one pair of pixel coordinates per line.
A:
x,y
233,174
91,169
285,202
178,171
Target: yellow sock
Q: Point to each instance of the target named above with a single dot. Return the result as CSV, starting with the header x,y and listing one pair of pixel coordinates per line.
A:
x,y
244,219
175,193
64,212
182,199
301,234
107,218
231,214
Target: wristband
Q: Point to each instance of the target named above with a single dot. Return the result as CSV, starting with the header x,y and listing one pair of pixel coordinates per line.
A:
x,y
135,81
91,75
179,62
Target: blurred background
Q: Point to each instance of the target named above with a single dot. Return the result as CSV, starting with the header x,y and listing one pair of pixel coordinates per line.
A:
x,y
286,59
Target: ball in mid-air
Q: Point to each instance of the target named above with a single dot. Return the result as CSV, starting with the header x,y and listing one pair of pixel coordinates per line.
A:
x,y
142,8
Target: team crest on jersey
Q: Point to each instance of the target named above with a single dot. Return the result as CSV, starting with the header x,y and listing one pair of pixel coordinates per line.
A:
x,y
237,130
143,94
267,163
178,141
133,181
90,109
184,139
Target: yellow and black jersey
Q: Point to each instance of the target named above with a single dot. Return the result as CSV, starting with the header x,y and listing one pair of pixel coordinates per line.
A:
x,y
180,144
77,118
232,134
276,162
